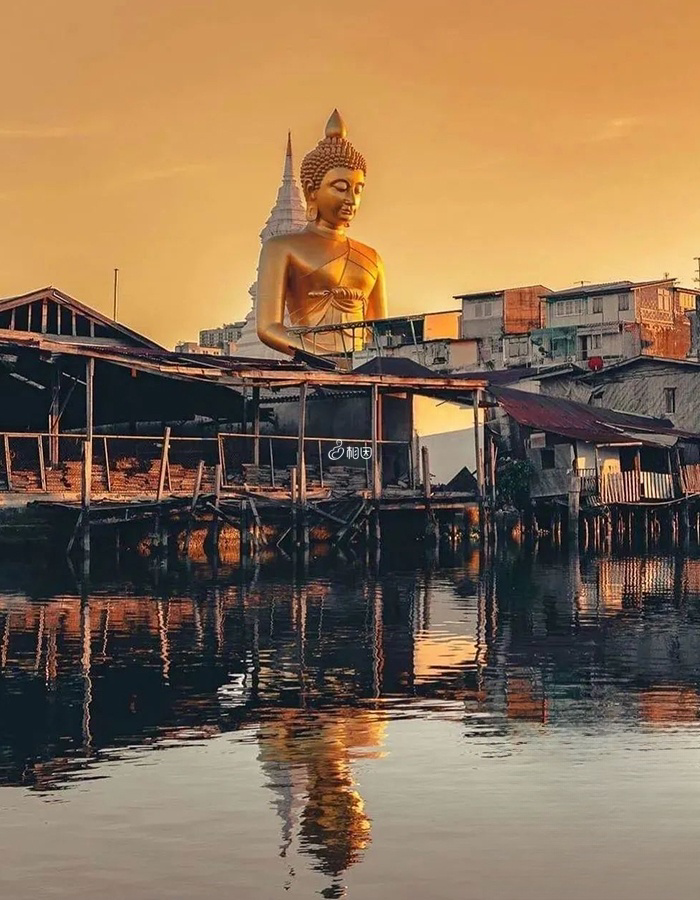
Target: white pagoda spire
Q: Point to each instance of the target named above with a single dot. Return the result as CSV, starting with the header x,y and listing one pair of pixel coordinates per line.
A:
x,y
289,213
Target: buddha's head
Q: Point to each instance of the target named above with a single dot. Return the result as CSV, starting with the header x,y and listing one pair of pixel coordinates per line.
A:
x,y
333,177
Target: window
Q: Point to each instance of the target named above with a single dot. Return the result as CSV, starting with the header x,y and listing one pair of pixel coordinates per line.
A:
x,y
596,341
478,310
572,307
669,400
518,347
623,302
597,305
665,299
487,310
547,457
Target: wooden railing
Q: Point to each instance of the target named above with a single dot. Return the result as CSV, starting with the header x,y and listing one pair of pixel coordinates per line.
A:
x,y
588,481
636,487
145,466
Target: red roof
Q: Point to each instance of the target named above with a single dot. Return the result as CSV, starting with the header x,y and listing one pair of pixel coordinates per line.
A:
x,y
580,421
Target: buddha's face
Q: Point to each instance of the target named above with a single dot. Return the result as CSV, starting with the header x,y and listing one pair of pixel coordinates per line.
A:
x,y
339,195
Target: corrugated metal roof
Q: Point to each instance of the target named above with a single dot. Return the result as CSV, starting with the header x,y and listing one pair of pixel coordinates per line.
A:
x,y
606,287
642,359
396,365
581,422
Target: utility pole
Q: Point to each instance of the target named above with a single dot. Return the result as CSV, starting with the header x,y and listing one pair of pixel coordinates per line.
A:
x,y
116,292
696,326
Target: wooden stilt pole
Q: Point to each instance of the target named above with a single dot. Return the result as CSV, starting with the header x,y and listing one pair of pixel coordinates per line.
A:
x,y
476,401
54,416
163,464
301,466
376,466
256,426
87,459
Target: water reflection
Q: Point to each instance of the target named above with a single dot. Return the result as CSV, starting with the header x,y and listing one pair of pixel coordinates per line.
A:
x,y
317,669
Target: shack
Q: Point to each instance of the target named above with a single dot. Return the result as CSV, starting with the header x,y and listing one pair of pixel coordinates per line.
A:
x,y
103,422
597,460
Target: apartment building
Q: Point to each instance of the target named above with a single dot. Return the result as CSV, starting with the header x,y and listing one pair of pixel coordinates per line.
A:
x,y
599,323
501,321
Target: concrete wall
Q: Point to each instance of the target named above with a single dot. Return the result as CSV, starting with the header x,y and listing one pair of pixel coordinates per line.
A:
x,y
557,312
483,325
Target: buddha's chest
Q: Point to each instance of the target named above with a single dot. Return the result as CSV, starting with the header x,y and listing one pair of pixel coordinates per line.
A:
x,y
318,267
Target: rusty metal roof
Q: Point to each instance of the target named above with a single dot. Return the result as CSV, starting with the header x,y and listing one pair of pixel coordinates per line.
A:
x,y
580,421
231,371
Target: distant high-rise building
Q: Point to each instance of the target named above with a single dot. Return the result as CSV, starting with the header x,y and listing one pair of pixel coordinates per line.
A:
x,y
194,347
225,337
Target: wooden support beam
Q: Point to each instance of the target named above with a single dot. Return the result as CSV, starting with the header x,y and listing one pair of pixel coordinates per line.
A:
x,y
73,323
222,457
197,485
301,439
375,416
425,470
12,319
217,482
214,532
272,465
256,426
108,474
8,461
479,462
574,508
42,465
44,316
193,505
163,463
54,416
493,451
293,492
89,428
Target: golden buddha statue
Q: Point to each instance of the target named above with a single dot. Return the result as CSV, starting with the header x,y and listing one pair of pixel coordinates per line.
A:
x,y
318,275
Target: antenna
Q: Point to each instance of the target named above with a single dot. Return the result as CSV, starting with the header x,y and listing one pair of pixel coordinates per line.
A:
x,y
116,293
697,277
582,282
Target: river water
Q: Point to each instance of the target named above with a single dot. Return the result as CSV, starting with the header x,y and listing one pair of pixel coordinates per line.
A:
x,y
505,728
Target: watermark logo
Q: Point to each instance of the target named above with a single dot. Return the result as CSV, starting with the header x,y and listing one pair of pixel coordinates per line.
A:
x,y
351,451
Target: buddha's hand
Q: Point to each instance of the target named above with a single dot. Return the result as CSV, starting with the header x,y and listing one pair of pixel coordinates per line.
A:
x,y
339,293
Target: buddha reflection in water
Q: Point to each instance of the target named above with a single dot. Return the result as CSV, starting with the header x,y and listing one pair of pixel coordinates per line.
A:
x,y
318,275
308,759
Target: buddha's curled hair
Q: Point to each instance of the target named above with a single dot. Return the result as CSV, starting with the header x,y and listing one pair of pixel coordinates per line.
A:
x,y
334,151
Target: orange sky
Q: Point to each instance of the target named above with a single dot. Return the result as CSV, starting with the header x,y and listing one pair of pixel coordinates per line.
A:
x,y
508,142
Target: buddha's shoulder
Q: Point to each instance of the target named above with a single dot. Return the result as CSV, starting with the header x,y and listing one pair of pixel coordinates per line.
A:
x,y
365,250
280,241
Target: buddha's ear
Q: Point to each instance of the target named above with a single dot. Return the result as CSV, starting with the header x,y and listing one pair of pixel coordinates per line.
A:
x,y
309,191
